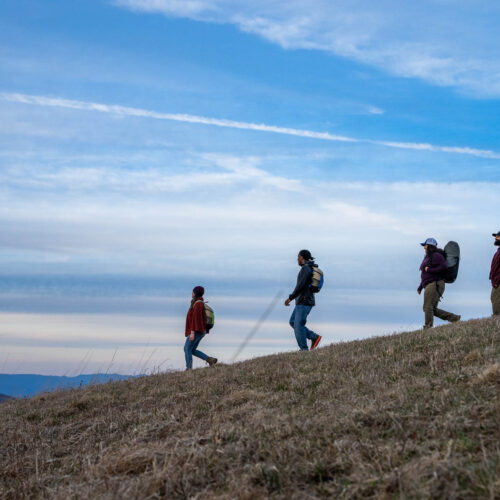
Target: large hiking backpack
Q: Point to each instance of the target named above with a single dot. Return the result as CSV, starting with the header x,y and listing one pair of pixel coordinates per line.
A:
x,y
317,280
209,314
452,256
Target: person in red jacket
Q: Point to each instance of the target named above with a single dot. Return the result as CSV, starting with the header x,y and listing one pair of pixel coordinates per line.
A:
x,y
495,277
196,329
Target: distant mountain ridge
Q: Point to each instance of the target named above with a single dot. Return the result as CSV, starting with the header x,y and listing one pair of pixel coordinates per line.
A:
x,y
4,397
27,385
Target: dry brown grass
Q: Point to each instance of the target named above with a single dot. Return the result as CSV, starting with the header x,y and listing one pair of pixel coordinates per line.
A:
x,y
414,415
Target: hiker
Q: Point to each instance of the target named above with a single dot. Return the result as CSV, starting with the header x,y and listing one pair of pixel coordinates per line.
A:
x,y
433,268
196,329
495,277
304,302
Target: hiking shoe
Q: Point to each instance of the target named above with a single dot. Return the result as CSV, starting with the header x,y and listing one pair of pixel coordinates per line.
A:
x,y
211,361
458,318
315,342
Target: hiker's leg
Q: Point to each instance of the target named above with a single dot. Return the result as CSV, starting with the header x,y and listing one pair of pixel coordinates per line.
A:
x,y
441,313
445,315
495,300
299,328
292,318
196,342
430,300
309,333
188,353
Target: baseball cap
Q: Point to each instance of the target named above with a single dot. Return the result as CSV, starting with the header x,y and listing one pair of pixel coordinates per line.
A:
x,y
430,241
497,234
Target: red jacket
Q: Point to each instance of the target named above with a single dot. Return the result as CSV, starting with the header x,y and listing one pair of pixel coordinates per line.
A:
x,y
196,320
495,270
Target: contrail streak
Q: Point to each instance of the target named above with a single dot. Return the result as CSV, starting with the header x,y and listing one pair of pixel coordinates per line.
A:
x,y
218,122
144,113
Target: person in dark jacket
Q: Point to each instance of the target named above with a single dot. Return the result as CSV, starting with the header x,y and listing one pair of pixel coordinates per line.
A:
x,y
304,302
196,329
495,277
432,269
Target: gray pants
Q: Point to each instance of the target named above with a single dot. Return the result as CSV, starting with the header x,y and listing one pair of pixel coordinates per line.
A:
x,y
495,300
432,295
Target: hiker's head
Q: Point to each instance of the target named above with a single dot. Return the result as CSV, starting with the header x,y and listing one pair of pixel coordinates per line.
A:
x,y
430,245
303,257
198,292
497,238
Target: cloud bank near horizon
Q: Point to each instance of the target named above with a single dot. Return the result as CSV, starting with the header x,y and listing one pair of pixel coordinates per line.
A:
x,y
146,220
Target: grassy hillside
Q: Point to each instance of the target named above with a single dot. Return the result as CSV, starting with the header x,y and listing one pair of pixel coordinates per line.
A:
x,y
413,415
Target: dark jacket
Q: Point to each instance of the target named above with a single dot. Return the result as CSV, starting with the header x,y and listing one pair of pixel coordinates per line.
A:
x,y
302,293
437,266
495,270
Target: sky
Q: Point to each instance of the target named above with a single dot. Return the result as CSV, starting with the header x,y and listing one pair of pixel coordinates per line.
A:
x,y
148,146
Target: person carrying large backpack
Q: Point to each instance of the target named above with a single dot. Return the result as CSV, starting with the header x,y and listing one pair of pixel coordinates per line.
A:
x,y
433,269
495,277
196,329
304,301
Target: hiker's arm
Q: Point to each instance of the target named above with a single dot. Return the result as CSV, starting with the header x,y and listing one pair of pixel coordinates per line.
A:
x,y
301,282
495,271
439,265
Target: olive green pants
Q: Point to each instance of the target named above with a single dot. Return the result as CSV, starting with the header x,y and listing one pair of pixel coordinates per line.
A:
x,y
495,300
432,295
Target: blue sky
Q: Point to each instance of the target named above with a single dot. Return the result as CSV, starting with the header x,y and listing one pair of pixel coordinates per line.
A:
x,y
147,146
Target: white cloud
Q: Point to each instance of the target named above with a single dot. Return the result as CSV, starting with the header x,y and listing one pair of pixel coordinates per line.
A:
x,y
449,44
179,7
374,110
251,215
73,344
212,170
311,134
480,153
137,112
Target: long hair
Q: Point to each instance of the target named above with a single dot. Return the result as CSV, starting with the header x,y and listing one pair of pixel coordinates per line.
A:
x,y
194,300
430,250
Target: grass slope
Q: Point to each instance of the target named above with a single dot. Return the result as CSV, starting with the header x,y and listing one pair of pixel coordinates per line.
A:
x,y
411,415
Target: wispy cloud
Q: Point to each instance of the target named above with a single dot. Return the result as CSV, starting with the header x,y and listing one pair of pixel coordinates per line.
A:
x,y
374,110
143,113
480,153
445,43
207,171
217,122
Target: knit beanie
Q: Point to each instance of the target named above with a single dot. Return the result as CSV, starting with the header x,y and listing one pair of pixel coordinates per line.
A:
x,y
198,291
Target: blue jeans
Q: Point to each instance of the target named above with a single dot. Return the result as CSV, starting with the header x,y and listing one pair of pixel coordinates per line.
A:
x,y
191,349
298,321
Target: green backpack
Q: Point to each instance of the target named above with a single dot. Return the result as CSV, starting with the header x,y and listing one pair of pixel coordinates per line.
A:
x,y
209,314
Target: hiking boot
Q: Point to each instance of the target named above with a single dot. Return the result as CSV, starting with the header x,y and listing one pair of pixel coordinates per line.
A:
x,y
211,361
458,318
315,342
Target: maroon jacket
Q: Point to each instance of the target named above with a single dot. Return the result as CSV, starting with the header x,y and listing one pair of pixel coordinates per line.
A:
x,y
495,270
436,270
196,320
